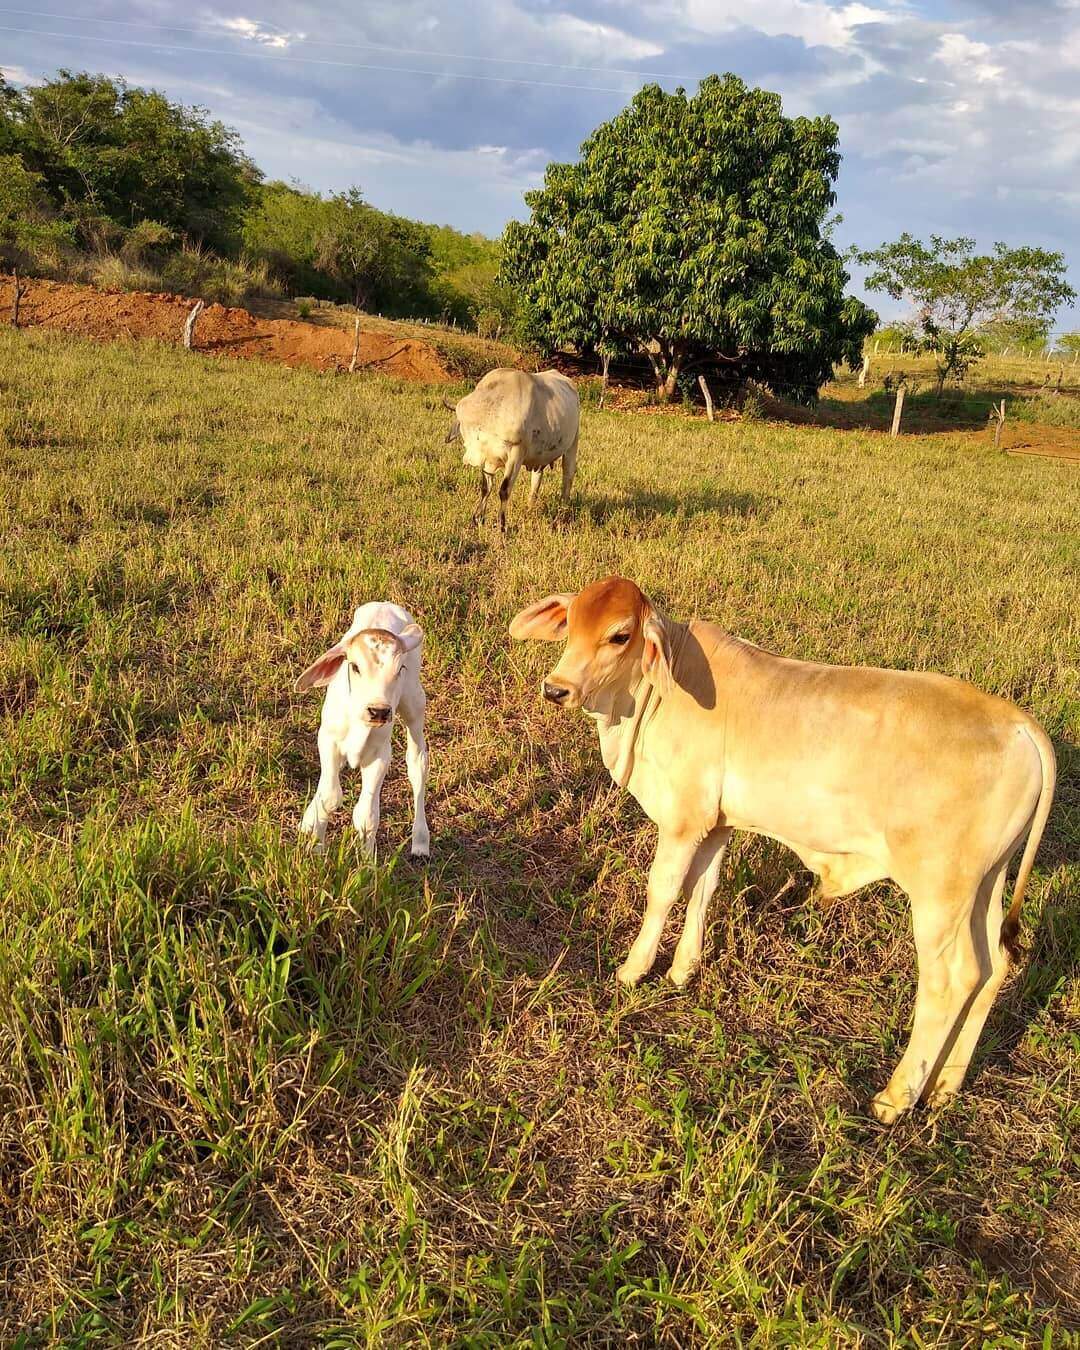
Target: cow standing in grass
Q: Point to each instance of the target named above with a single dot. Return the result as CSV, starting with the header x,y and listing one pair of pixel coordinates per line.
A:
x,y
514,420
864,773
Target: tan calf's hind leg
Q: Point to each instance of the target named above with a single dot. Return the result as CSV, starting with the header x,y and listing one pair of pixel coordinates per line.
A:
x,y
950,973
947,1076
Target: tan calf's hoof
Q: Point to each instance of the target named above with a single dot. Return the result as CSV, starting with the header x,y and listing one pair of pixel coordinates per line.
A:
x,y
940,1097
680,976
884,1111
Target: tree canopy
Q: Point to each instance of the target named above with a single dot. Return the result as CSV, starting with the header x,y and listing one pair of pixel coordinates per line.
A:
x,y
958,294
110,156
693,229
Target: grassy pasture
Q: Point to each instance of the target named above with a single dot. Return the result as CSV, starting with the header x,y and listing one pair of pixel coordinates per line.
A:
x,y
253,1096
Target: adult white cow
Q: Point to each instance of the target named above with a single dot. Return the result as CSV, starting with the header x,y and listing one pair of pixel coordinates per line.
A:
x,y
865,773
371,674
515,420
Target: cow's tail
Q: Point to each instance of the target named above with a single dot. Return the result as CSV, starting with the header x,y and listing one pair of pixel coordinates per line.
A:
x,y
1010,926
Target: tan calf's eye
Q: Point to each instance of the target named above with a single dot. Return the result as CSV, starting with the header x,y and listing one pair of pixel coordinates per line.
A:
x,y
619,639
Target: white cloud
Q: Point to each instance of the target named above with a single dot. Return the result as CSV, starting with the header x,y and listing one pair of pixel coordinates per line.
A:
x,y
966,59
598,41
253,30
16,75
816,22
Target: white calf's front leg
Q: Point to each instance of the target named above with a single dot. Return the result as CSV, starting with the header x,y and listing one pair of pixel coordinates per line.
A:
x,y
674,856
366,811
327,796
416,759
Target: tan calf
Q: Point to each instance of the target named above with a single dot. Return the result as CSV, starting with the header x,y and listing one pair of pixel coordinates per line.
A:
x,y
864,773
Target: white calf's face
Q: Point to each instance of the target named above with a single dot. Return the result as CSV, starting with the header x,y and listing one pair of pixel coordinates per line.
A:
x,y
374,665
375,661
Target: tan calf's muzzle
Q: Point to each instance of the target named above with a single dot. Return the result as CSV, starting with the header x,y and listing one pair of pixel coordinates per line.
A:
x,y
556,693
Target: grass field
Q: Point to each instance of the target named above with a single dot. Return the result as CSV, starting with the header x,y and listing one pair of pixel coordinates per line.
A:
x,y
253,1096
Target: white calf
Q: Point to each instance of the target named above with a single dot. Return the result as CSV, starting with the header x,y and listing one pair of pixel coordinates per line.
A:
x,y
373,672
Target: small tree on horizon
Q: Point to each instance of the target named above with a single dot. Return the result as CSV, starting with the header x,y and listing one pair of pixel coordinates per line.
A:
x,y
956,294
693,230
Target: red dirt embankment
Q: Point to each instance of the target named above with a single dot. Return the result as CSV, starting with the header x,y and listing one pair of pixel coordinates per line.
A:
x,y
221,330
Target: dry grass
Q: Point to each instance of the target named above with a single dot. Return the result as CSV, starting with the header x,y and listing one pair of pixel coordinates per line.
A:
x,y
248,1095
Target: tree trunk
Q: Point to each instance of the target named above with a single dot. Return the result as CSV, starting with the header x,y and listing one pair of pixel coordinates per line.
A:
x,y
658,374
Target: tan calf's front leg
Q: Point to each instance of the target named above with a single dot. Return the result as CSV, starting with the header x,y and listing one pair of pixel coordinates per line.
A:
x,y
674,856
698,886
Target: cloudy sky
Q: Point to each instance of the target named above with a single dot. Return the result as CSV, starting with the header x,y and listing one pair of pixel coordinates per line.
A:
x,y
956,116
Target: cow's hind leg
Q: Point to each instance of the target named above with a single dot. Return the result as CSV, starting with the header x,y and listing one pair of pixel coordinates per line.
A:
x,y
949,1073
569,469
698,887
950,974
536,478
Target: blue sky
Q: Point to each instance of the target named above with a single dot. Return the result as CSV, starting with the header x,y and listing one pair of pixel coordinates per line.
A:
x,y
956,116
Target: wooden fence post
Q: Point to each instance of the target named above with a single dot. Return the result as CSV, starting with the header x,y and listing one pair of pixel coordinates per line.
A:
x,y
898,410
20,291
997,416
189,326
708,396
356,345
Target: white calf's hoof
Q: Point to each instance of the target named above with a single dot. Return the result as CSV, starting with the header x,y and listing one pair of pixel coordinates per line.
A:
x,y
420,855
627,975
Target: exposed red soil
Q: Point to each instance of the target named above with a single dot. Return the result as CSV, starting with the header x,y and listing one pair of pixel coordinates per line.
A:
x,y
221,330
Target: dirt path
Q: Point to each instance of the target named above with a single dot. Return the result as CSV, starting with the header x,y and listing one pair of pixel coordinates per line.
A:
x,y
221,331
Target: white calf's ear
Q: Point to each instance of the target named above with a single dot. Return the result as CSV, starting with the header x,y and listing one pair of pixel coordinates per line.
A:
x,y
543,622
655,658
411,637
323,670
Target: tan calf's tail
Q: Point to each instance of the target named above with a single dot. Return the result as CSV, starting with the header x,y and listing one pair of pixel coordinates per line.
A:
x,y
1010,926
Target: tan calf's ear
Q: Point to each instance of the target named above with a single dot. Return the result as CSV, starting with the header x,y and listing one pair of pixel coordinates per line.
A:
x,y
411,637
323,670
543,622
656,656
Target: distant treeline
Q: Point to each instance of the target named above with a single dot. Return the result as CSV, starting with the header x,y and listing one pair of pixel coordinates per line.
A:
x,y
106,182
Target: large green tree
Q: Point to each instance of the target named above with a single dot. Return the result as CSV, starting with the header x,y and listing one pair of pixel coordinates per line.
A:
x,y
29,228
692,229
382,260
957,294
110,156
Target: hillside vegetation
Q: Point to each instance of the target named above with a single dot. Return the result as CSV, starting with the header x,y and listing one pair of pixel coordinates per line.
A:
x,y
249,1095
